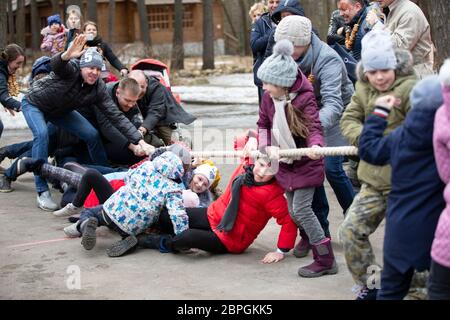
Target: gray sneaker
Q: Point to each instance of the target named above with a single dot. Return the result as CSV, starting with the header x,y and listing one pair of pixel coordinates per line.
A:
x,y
45,202
5,184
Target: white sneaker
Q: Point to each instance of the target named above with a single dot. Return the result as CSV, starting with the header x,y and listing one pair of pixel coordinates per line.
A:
x,y
72,231
45,202
68,210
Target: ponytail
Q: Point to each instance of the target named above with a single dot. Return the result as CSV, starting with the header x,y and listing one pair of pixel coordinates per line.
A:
x,y
297,122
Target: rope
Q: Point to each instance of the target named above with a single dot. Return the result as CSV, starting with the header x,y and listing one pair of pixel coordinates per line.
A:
x,y
286,153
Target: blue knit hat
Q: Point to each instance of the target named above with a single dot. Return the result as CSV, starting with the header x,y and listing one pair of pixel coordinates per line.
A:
x,y
91,58
279,69
378,51
54,19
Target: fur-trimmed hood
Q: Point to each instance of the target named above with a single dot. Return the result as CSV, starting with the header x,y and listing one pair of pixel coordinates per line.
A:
x,y
404,66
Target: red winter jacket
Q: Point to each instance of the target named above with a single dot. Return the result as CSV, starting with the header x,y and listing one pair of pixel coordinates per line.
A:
x,y
257,205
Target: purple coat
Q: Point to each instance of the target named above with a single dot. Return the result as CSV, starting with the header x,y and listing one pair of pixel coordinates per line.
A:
x,y
440,251
303,173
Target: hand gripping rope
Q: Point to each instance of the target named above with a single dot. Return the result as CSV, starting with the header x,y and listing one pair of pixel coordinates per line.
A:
x,y
286,153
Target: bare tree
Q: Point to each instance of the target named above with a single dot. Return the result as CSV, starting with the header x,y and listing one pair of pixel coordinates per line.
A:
x,y
11,28
111,20
144,26
20,23
35,26
55,6
437,13
3,24
177,60
245,41
208,35
92,10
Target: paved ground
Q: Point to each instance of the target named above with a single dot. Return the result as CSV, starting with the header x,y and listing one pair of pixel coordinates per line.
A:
x,y
37,262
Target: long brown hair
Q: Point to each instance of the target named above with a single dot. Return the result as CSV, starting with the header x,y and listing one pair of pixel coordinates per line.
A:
x,y
12,52
297,121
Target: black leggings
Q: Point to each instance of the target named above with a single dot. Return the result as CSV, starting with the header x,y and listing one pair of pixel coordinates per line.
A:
x,y
92,179
199,235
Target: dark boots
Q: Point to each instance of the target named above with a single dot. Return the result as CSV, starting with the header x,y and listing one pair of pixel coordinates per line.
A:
x,y
26,164
161,242
302,248
88,229
324,262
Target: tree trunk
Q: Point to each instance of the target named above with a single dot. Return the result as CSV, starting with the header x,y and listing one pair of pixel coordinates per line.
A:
x,y
111,20
35,25
64,16
11,28
55,6
144,26
92,10
3,24
437,13
20,23
177,60
208,35
245,41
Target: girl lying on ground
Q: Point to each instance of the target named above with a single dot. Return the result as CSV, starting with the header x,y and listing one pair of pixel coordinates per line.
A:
x,y
231,223
148,189
92,189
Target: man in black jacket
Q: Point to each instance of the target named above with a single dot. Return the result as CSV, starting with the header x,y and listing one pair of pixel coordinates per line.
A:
x,y
119,149
158,107
54,98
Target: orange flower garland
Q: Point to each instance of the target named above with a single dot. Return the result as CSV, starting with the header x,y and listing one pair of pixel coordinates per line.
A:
x,y
350,37
13,86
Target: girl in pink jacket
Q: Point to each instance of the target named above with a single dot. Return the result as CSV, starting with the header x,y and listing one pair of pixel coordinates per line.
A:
x,y
439,283
55,37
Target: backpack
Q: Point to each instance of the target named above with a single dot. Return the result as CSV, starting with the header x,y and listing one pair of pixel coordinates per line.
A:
x,y
349,61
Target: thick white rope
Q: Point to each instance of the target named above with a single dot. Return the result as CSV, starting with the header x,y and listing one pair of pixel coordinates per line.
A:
x,y
286,153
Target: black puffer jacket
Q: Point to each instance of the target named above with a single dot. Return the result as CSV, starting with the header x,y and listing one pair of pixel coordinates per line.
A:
x,y
109,133
5,99
159,107
64,90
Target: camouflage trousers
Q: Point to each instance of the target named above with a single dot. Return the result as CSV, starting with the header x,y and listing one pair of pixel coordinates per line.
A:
x,y
363,218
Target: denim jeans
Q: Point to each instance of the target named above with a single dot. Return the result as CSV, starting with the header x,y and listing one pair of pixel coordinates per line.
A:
x,y
339,181
102,219
16,150
73,123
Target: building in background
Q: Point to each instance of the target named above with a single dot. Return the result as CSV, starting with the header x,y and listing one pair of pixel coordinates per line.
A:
x,y
161,21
